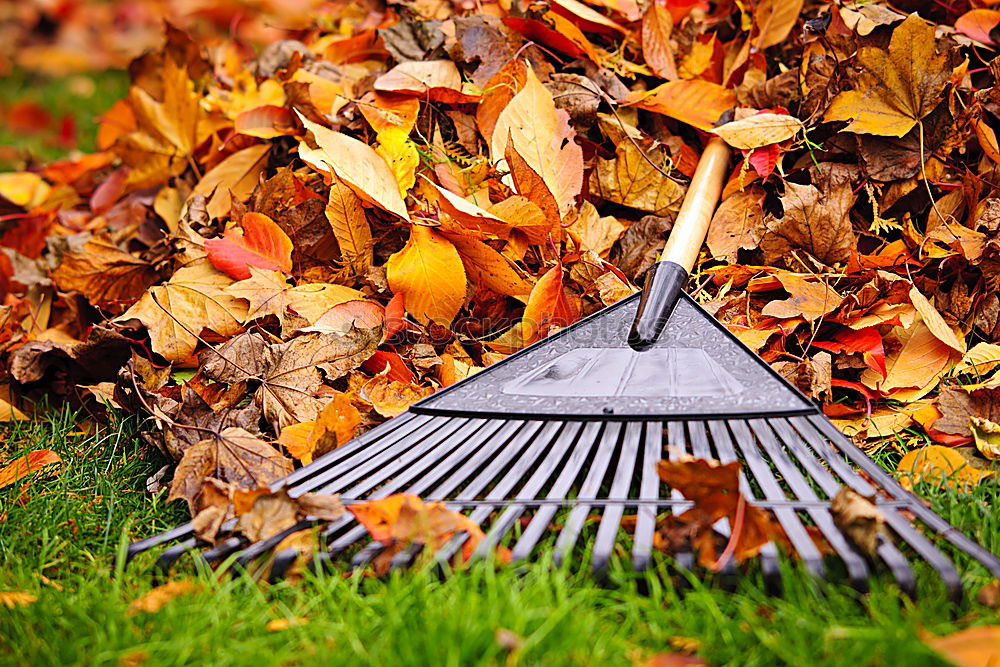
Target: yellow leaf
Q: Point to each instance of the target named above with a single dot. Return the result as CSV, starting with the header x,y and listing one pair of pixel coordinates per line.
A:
x,y
919,361
350,226
8,409
154,600
237,176
932,318
428,272
279,624
759,130
11,599
808,297
403,159
194,299
972,647
357,164
980,360
543,137
935,462
896,88
774,20
24,189
986,435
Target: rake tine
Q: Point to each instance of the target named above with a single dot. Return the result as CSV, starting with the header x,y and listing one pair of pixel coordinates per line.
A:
x,y
645,521
222,550
591,485
570,471
942,527
503,523
518,470
397,427
857,569
788,519
676,450
604,543
258,549
726,452
180,532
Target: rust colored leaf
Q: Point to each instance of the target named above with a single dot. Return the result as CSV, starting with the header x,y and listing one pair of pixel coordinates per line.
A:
x,y
657,24
155,599
256,242
549,307
23,466
103,272
695,102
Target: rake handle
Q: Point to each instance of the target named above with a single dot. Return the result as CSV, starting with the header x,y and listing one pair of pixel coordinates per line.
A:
x,y
666,279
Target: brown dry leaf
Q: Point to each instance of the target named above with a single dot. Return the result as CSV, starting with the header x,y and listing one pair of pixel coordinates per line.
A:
x,y
542,135
935,463
357,164
350,226
103,272
972,647
429,273
154,600
896,87
958,406
193,300
13,599
815,221
738,223
858,519
234,456
657,24
262,515
809,297
629,179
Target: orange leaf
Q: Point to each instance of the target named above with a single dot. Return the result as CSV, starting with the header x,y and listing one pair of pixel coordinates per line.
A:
x,y
391,398
257,242
695,102
972,647
657,25
979,24
27,464
429,273
548,306
265,122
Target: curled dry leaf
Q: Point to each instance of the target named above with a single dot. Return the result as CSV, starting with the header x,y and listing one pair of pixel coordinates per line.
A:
x,y
986,435
858,519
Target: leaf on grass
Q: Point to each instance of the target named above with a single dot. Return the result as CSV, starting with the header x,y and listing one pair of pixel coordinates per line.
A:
x,y
972,647
986,435
154,600
935,463
858,518
896,87
22,466
234,456
258,242
428,272
192,300
262,515
12,599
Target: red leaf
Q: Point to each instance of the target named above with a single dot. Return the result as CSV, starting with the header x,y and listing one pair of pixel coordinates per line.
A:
x,y
398,370
258,242
109,191
867,342
979,24
548,306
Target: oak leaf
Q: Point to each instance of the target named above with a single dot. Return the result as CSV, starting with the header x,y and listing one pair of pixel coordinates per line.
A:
x,y
896,87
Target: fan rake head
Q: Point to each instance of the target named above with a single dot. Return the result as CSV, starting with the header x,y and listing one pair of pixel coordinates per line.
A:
x,y
514,450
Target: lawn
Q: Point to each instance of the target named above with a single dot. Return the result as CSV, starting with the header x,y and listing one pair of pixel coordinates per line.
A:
x,y
59,536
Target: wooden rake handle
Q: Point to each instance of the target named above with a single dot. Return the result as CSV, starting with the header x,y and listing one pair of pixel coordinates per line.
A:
x,y
666,279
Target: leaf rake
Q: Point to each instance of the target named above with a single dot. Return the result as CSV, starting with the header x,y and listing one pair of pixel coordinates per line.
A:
x,y
578,422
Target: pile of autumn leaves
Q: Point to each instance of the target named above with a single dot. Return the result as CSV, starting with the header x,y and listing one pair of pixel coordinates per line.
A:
x,y
270,256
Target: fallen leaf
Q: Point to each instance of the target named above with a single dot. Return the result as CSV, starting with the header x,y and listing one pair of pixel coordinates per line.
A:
x,y
258,242
959,406
549,307
281,624
858,518
759,130
428,272
972,647
774,19
808,298
23,466
986,435
154,600
657,25
350,226
815,221
695,102
13,599
103,272
391,398
897,88
933,320
935,463
738,223
234,177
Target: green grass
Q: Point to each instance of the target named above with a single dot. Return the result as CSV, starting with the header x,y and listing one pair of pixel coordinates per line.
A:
x,y
67,528
83,97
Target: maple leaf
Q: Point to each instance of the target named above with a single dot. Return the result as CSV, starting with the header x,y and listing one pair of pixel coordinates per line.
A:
x,y
258,241
233,456
176,312
269,293
896,88
290,374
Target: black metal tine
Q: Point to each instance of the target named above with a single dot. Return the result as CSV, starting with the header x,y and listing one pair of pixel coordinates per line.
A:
x,y
926,549
170,556
367,554
788,519
502,489
607,531
925,514
726,452
645,519
857,569
700,448
518,432
821,445
397,427
796,442
223,549
503,523
560,488
591,485
465,447
367,459
180,532
258,549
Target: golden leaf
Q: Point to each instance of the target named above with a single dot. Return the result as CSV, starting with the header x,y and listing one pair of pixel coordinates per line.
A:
x,y
428,272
